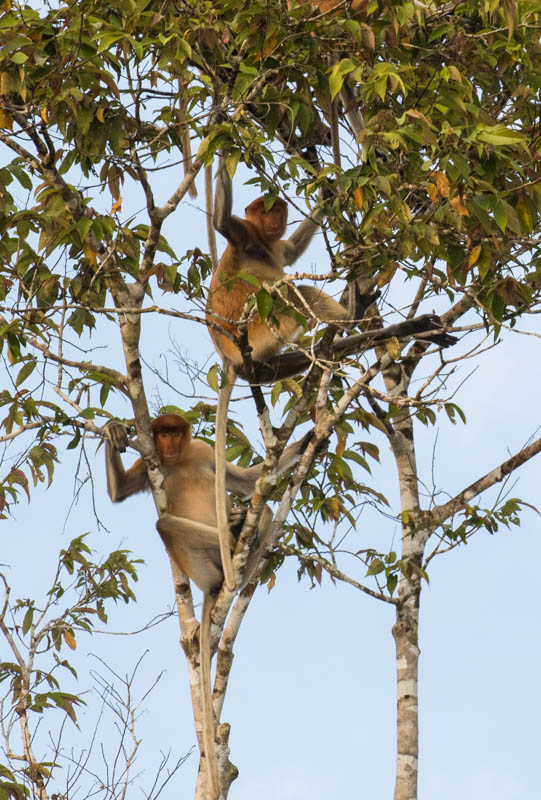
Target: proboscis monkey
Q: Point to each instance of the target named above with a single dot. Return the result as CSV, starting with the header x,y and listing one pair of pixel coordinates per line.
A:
x,y
255,247
188,528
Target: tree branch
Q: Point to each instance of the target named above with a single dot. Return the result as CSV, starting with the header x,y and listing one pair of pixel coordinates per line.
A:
x,y
440,513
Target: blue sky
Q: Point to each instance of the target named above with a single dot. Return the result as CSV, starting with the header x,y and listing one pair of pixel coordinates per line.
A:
x,y
311,699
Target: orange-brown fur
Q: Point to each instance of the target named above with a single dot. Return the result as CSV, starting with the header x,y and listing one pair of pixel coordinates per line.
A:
x,y
229,293
255,247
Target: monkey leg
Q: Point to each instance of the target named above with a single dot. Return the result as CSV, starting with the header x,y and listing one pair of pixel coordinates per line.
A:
x,y
316,303
195,548
259,546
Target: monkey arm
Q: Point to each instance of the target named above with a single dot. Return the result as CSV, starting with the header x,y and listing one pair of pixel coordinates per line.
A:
x,y
241,481
121,483
224,222
301,237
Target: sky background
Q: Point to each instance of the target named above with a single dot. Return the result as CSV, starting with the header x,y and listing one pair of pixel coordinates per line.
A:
x,y
311,699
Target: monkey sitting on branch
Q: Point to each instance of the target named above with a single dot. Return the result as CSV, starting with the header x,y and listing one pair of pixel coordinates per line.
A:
x,y
188,528
256,253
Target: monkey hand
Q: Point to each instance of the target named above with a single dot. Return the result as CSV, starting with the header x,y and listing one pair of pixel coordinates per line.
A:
x,y
236,518
117,435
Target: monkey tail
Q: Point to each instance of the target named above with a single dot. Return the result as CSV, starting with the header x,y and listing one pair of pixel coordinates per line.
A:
x,y
209,206
335,131
221,497
206,700
185,142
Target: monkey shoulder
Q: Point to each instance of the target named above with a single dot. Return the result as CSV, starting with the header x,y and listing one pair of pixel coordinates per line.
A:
x,y
198,457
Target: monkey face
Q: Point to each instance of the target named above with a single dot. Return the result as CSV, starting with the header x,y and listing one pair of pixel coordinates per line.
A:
x,y
270,224
171,434
169,445
274,222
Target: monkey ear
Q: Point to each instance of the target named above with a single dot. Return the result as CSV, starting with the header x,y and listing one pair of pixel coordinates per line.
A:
x,y
187,432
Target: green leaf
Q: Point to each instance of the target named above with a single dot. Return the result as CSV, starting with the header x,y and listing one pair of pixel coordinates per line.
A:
x,y
336,81
75,441
184,47
452,410
27,621
27,370
500,135
484,262
383,184
275,393
19,58
213,377
249,278
500,215
22,176
231,162
264,303
376,566
392,581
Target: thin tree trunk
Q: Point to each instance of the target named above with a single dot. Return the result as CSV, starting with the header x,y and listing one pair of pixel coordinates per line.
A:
x,y
406,627
405,633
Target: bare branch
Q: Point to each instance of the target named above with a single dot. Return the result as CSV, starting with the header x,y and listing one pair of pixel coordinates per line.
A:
x,y
440,513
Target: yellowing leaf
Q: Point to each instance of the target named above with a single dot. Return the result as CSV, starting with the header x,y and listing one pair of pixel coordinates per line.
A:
x,y
454,73
524,215
5,121
117,206
114,177
69,638
43,240
442,182
269,46
7,6
393,348
100,114
459,206
293,387
4,83
474,255
432,192
511,13
340,447
358,197
367,36
212,377
334,508
44,115
91,255
386,276
412,112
